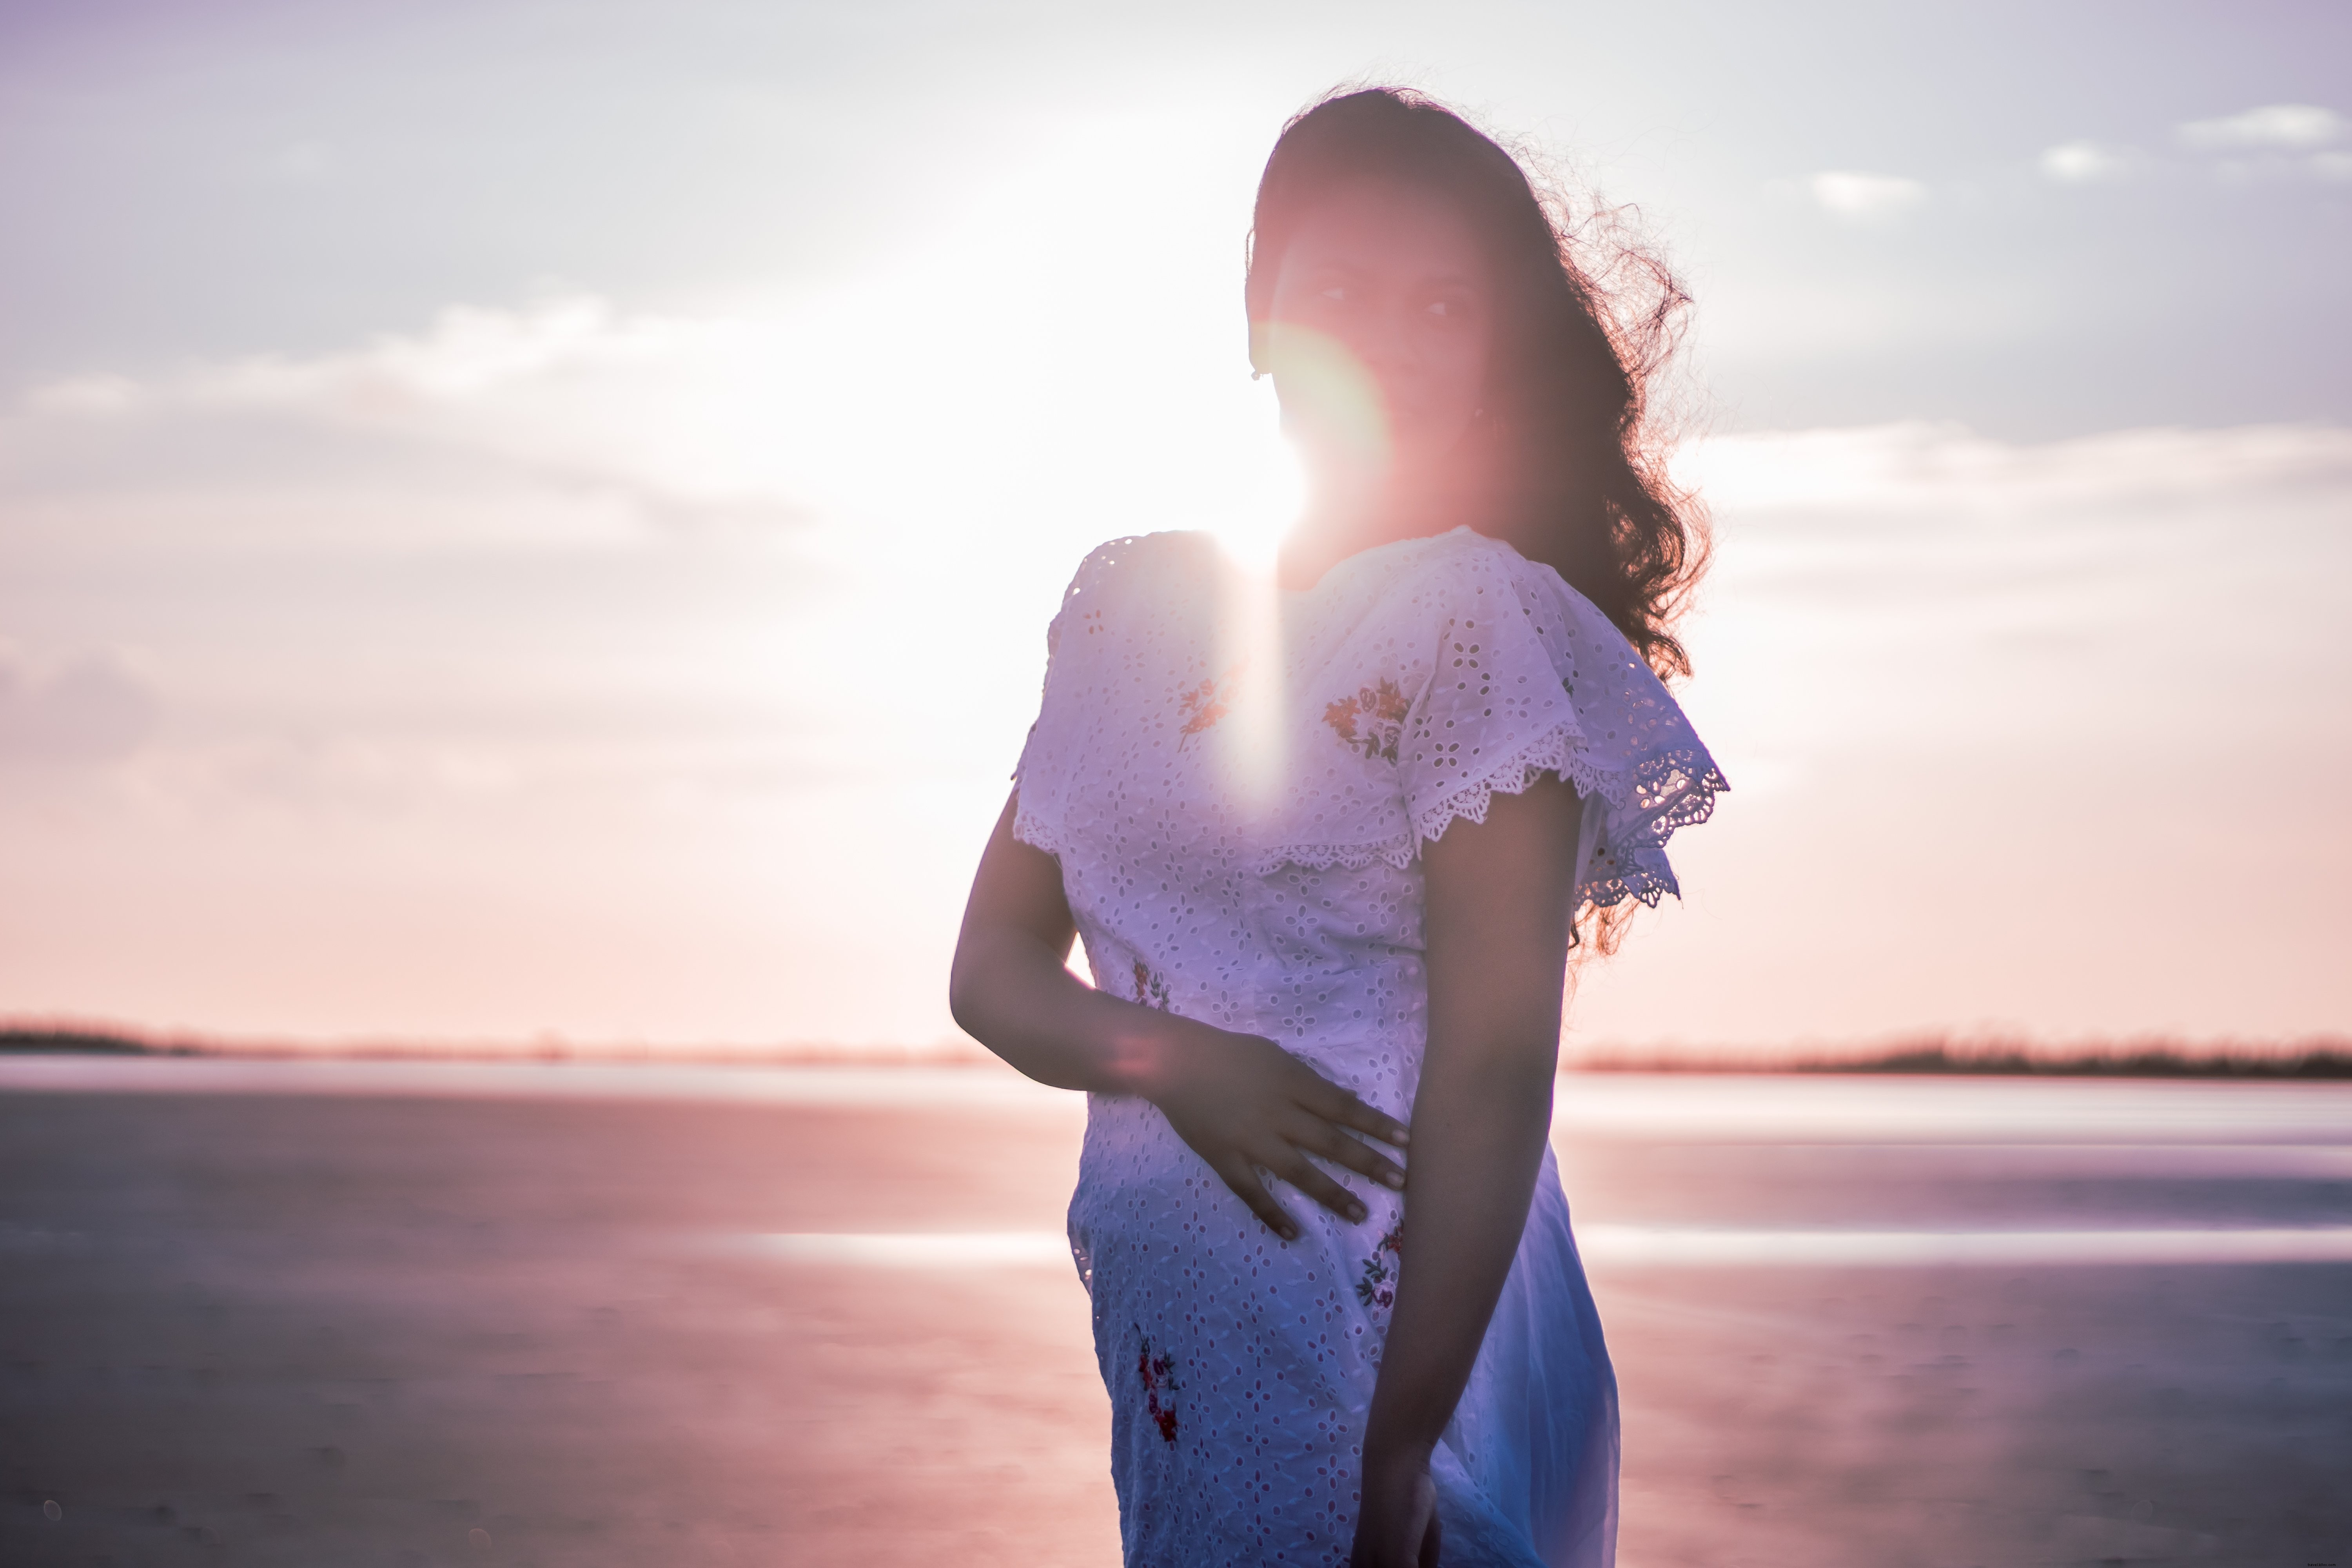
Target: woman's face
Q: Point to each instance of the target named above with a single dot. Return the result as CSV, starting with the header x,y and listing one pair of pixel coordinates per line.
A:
x,y
1378,330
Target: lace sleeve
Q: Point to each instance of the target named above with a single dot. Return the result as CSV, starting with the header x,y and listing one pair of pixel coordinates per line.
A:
x,y
1528,677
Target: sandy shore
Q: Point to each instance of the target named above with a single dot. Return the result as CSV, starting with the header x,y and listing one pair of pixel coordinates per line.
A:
x,y
545,1316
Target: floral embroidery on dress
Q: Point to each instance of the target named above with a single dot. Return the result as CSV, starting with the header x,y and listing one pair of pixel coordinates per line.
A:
x,y
1380,709
1378,1287
1160,1385
1206,703
1149,989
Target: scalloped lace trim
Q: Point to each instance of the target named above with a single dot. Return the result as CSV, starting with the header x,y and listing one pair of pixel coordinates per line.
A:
x,y
1662,794
1036,832
1559,750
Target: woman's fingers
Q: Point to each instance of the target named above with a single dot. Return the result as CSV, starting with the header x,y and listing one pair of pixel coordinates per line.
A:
x,y
1317,1136
1311,1179
1329,1101
1301,1173
1270,1113
1242,1178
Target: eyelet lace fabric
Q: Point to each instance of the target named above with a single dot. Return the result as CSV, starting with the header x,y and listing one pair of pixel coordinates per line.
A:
x,y
1237,784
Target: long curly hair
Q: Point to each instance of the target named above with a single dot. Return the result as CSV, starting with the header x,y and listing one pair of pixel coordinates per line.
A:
x,y
1585,319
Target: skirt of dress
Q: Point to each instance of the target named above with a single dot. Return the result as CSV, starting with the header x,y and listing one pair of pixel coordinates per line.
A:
x,y
1240,1368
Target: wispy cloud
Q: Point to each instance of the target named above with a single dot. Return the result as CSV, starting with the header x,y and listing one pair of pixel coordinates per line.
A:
x,y
2284,126
303,164
2289,141
2083,162
92,708
1862,197
566,387
573,784
1920,470
2296,140
2055,653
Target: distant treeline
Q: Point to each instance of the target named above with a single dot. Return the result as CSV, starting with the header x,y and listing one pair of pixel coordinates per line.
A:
x,y
2135,1058
87,1042
29,1038
2157,1059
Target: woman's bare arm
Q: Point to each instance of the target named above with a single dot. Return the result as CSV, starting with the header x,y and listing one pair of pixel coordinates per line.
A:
x,y
1240,1100
1500,904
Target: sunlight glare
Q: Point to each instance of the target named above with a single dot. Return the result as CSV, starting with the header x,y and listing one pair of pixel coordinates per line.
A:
x,y
1267,485
1251,658
944,438
1266,488
1332,395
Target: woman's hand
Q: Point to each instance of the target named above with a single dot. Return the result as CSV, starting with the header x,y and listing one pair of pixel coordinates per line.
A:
x,y
1396,1524
1244,1104
1241,1101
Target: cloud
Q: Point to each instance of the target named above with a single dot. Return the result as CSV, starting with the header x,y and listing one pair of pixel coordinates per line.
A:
x,y
2081,163
967,382
567,386
1922,470
303,164
1867,196
463,792
2056,679
2279,139
2273,127
2009,590
466,787
92,709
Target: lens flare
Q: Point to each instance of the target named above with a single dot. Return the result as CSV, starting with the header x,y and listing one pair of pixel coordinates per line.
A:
x,y
1265,488
1330,401
1269,492
1250,660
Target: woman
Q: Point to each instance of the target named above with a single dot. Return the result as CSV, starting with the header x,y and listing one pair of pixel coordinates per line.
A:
x,y
1327,881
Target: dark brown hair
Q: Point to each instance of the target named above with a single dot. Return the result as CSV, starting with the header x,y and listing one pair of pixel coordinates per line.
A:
x,y
1585,487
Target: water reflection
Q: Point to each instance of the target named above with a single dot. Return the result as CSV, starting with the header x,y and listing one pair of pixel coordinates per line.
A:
x,y
1655,1247
307,1312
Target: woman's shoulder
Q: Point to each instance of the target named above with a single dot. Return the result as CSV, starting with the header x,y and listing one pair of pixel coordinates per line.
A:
x,y
1443,581
1125,581
1141,559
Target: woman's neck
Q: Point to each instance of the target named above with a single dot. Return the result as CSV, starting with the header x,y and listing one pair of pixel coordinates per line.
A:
x,y
1341,522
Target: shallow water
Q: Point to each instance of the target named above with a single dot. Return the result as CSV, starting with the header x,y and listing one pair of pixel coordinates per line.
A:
x,y
415,1313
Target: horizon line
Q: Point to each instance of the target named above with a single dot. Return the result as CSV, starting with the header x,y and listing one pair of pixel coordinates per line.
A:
x,y
2136,1056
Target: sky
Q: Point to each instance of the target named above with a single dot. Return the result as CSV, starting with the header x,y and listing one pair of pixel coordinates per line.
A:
x,y
523,521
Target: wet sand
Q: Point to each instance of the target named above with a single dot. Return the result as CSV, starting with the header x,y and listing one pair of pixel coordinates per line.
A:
x,y
269,1314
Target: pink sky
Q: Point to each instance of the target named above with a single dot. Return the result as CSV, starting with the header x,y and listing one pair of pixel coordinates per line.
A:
x,y
583,647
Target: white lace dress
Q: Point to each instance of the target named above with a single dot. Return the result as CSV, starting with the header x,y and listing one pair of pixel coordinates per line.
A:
x,y
1237,782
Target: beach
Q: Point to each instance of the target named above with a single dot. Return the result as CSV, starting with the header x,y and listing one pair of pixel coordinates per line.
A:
x,y
306,1312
